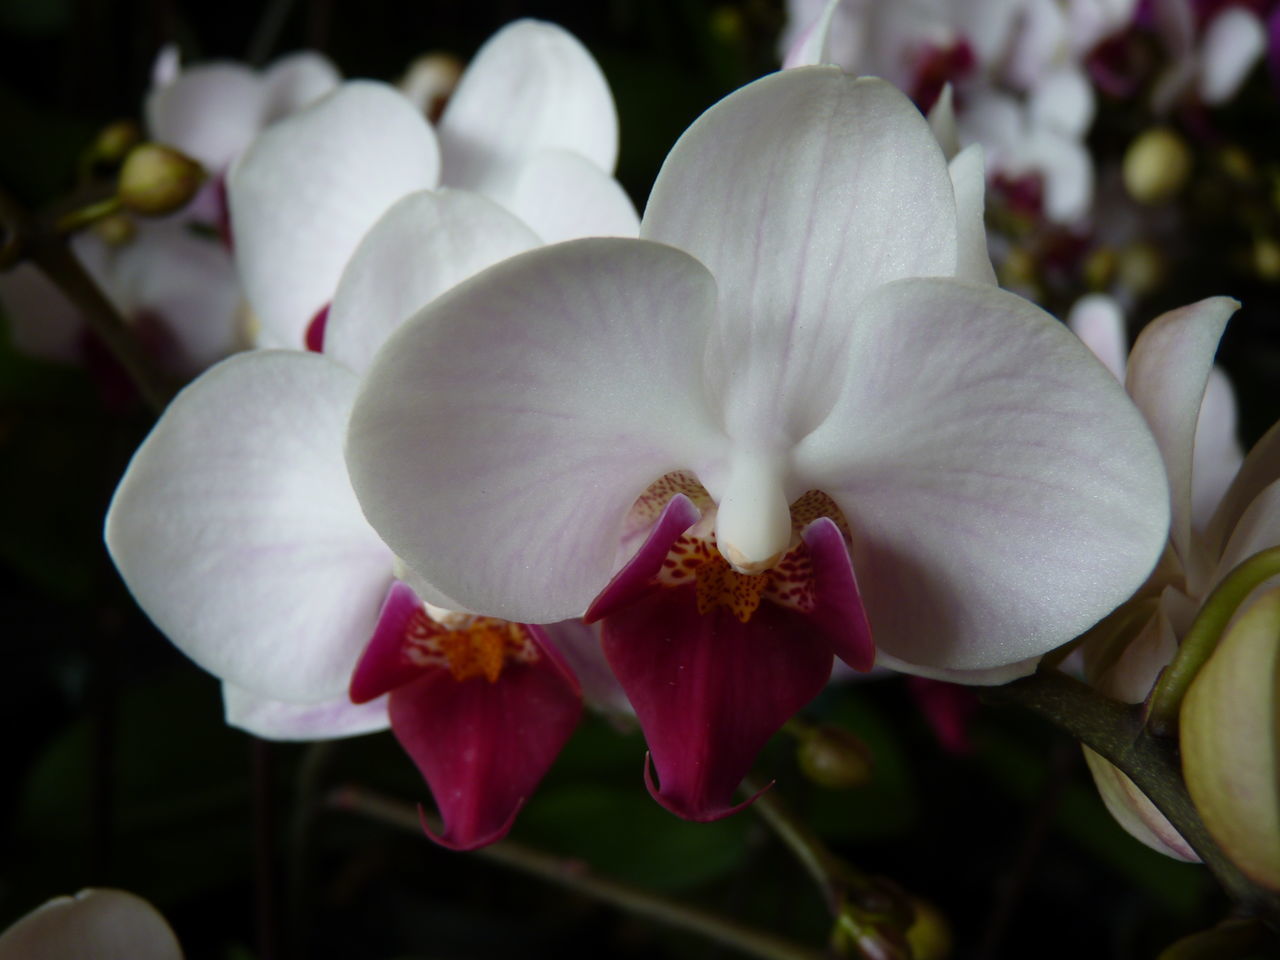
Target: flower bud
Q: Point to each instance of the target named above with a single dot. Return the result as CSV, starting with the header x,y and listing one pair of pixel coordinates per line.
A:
x,y
1230,738
113,142
115,230
1156,166
834,758
929,935
156,180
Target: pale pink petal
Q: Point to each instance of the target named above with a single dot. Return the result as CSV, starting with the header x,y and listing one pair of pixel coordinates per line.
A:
x,y
969,178
1257,530
310,187
1133,811
1097,319
564,196
580,645
1260,469
426,243
1218,455
812,45
1233,44
281,720
236,529
1168,369
536,403
93,925
210,112
801,192
295,81
531,87
1002,492
42,322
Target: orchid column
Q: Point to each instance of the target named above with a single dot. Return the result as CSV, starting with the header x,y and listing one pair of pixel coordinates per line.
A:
x,y
777,428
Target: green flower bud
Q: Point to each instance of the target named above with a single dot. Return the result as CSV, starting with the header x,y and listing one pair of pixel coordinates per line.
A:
x,y
1230,738
116,230
1156,166
834,758
156,180
929,935
113,142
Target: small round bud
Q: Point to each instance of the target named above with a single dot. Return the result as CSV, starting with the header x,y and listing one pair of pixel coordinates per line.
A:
x,y
1157,165
114,141
1141,268
116,230
1266,258
429,82
834,758
929,934
156,180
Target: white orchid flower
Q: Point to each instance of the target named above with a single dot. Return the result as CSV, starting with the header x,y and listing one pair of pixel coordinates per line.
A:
x,y
703,434
102,924
531,125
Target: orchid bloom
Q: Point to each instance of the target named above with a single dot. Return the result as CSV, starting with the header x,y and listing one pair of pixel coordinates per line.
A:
x,y
530,125
799,372
1224,511
1212,47
236,529
101,924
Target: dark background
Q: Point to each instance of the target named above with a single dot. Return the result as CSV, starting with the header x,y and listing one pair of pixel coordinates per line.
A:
x,y
119,771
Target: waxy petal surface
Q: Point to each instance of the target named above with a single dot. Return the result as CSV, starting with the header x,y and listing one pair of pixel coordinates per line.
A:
x,y
1168,371
297,80
1217,456
483,747
425,244
801,192
309,188
969,178
563,196
536,402
236,529
709,691
532,86
1002,492
281,720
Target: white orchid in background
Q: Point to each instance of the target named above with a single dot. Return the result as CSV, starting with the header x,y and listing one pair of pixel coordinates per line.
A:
x,y
1211,46
531,125
1225,508
702,434
98,924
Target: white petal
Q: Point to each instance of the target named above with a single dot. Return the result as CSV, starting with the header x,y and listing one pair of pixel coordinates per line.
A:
x,y
801,192
307,190
94,925
1260,469
210,112
969,178
564,196
167,65
280,720
971,678
1258,529
426,243
42,322
1217,456
1234,41
504,432
1067,168
236,529
1063,101
531,87
1039,38
1002,491
812,46
1135,813
295,81
942,121
1168,370
579,644
1097,320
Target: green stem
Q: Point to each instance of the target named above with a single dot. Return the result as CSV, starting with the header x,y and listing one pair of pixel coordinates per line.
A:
x,y
1202,639
86,216
1115,731
572,875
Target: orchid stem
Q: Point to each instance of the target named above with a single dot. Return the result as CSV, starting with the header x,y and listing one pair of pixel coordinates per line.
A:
x,y
26,237
574,875
1116,732
826,869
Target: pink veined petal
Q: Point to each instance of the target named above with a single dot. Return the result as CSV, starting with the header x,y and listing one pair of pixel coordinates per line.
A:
x,y
1002,492
812,45
709,690
101,924
844,44
532,86
42,322
563,196
382,668
281,720
1135,813
428,242
536,402
1234,42
801,192
1168,370
294,81
1217,456
236,529
838,613
1097,320
210,112
309,188
483,747
969,178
